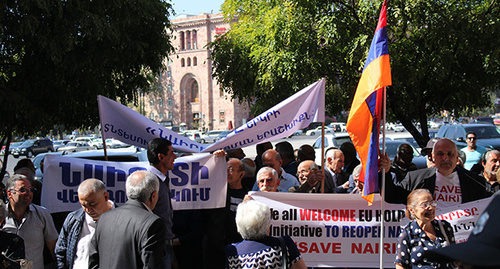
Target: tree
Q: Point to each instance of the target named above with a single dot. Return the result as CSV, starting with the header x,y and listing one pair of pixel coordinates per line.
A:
x,y
443,53
57,56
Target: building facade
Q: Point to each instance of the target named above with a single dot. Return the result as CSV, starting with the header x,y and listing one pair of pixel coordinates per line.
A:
x,y
189,97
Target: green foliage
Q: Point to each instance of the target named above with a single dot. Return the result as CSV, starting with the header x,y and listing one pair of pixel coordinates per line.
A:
x,y
444,54
57,56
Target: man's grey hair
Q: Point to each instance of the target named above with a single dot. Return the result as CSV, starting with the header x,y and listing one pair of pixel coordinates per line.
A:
x,y
140,185
3,211
267,169
91,185
253,219
488,153
357,170
11,182
330,153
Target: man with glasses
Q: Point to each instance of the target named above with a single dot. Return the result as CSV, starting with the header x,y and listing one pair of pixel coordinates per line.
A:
x,y
271,158
472,152
31,222
310,178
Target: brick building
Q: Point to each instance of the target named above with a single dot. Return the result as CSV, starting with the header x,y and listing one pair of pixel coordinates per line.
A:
x,y
189,96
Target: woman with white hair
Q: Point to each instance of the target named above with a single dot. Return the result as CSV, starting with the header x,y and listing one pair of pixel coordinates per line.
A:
x,y
258,249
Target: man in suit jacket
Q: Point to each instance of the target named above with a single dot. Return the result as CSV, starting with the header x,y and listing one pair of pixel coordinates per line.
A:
x,y
131,236
334,176
161,159
449,184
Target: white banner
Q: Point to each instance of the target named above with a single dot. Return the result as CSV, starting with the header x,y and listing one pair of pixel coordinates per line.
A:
x,y
341,230
282,120
196,182
122,123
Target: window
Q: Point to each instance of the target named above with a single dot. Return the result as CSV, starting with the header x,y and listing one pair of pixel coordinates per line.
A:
x,y
196,119
194,91
188,40
169,102
221,116
181,37
195,61
169,87
169,74
161,116
221,92
170,115
183,63
152,115
151,102
189,61
194,37
160,102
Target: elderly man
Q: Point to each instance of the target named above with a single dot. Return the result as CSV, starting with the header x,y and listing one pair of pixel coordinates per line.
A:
x,y
310,178
271,158
31,222
449,184
268,180
161,158
72,248
131,236
473,153
491,163
334,176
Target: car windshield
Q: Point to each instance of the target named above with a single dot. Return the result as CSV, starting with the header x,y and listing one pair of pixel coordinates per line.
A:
x,y
484,131
28,143
391,147
72,144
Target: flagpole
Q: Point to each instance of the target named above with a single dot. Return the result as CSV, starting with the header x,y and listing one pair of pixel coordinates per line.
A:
x,y
382,200
323,155
102,133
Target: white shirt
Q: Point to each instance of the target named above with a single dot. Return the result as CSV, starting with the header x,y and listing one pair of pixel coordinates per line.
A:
x,y
157,172
82,248
447,191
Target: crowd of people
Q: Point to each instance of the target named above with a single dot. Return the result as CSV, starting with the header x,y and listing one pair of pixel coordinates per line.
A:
x,y
145,232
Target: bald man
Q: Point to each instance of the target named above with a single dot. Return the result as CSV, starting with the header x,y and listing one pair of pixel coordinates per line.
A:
x,y
271,158
334,175
72,248
310,178
449,184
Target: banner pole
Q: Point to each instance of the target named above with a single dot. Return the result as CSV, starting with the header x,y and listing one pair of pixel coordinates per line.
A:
x,y
102,132
323,155
382,234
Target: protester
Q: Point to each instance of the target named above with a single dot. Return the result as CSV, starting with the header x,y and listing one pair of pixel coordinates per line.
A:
x,y
72,248
235,153
310,178
249,179
402,163
359,185
350,158
31,222
289,164
258,250
334,176
422,233
131,236
268,180
27,168
306,152
481,248
188,230
450,185
11,245
427,151
260,149
161,158
472,152
235,194
491,163
271,158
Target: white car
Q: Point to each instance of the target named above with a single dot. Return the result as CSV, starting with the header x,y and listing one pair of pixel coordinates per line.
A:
x,y
317,131
75,147
331,140
399,128
95,143
338,126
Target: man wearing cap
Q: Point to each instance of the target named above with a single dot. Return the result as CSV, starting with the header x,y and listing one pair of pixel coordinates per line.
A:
x,y
480,248
473,153
427,151
449,184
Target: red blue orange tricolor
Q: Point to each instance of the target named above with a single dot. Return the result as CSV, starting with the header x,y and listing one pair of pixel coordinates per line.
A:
x,y
366,112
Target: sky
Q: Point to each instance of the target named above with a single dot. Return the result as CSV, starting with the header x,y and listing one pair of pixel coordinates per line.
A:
x,y
195,7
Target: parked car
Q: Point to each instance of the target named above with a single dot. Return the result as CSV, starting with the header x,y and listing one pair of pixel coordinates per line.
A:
x,y
194,135
37,161
75,147
12,146
489,120
316,131
32,147
210,136
399,128
405,137
112,143
488,135
338,126
59,143
222,135
94,142
331,140
433,124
